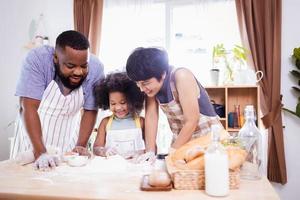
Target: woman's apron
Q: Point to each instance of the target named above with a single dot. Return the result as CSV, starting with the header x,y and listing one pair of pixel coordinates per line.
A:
x,y
126,141
174,113
59,117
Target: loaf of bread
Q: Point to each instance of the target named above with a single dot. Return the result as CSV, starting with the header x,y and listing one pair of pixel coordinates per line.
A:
x,y
196,164
191,155
195,147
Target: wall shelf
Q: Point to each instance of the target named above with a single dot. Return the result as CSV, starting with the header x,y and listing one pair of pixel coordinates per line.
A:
x,y
229,96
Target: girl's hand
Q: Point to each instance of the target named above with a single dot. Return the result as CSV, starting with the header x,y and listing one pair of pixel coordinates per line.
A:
x,y
82,151
111,151
104,152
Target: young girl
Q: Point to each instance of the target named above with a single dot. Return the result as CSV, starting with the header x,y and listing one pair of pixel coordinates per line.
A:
x,y
122,132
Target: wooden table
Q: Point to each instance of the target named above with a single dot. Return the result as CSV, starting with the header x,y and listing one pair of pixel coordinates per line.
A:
x,y
104,179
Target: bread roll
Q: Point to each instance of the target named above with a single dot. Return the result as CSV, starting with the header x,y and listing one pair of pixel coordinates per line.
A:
x,y
159,179
236,157
196,164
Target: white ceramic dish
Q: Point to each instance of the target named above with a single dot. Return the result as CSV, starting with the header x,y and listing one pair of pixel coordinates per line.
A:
x,y
77,161
69,155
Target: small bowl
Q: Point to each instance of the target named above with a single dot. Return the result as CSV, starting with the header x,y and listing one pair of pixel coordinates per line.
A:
x,y
78,161
69,155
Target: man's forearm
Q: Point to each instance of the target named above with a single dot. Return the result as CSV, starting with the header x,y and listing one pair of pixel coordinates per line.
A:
x,y
87,123
34,130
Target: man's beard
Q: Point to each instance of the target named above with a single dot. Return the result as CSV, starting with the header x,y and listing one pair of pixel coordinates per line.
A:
x,y
65,80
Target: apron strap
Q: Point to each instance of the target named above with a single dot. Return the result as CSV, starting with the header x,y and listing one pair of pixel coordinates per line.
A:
x,y
137,121
108,125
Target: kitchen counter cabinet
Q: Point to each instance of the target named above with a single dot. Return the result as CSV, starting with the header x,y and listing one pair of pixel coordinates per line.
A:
x,y
103,180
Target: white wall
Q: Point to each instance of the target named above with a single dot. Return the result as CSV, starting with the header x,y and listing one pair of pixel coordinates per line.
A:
x,y
290,40
16,16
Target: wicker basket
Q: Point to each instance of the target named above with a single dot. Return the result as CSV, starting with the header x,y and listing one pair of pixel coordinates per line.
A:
x,y
195,179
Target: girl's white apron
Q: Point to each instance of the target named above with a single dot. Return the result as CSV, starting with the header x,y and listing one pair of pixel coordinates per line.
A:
x,y
127,141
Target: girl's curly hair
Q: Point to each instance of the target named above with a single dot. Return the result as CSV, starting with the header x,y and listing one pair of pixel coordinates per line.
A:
x,y
119,82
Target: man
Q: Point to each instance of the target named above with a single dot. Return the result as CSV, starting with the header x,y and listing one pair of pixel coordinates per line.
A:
x,y
54,85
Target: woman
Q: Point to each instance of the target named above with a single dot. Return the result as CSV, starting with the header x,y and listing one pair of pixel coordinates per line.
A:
x,y
178,93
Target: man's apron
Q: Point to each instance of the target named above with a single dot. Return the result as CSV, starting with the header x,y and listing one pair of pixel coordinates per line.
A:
x,y
59,117
126,141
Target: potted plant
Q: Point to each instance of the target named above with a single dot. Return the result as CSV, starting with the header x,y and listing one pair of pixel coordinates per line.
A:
x,y
296,74
239,55
221,55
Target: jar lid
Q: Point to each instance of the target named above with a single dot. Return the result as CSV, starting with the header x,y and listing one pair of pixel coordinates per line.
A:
x,y
161,156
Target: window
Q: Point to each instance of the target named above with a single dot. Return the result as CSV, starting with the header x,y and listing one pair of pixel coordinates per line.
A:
x,y
195,29
129,26
187,29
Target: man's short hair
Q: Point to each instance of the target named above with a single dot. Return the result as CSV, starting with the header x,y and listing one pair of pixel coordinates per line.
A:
x,y
72,39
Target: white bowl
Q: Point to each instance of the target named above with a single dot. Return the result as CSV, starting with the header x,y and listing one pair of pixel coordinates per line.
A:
x,y
78,161
69,155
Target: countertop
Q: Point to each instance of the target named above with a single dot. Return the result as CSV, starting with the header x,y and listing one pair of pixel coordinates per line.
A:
x,y
101,178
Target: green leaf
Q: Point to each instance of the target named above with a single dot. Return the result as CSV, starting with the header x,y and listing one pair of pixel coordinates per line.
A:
x,y
289,111
298,109
297,63
296,88
239,52
219,50
295,73
296,53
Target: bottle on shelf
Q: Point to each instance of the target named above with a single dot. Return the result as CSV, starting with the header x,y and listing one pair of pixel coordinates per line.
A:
x,y
237,116
216,166
251,140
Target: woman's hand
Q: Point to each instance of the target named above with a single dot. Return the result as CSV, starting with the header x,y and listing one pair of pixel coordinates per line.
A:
x,y
146,157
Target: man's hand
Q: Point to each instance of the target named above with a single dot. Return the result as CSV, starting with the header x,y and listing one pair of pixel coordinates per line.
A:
x,y
82,151
146,157
45,162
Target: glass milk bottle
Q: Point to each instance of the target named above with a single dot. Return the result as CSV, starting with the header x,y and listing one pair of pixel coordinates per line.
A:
x,y
251,139
216,166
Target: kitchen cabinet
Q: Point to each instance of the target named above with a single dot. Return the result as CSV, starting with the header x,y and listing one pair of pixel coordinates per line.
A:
x,y
233,97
